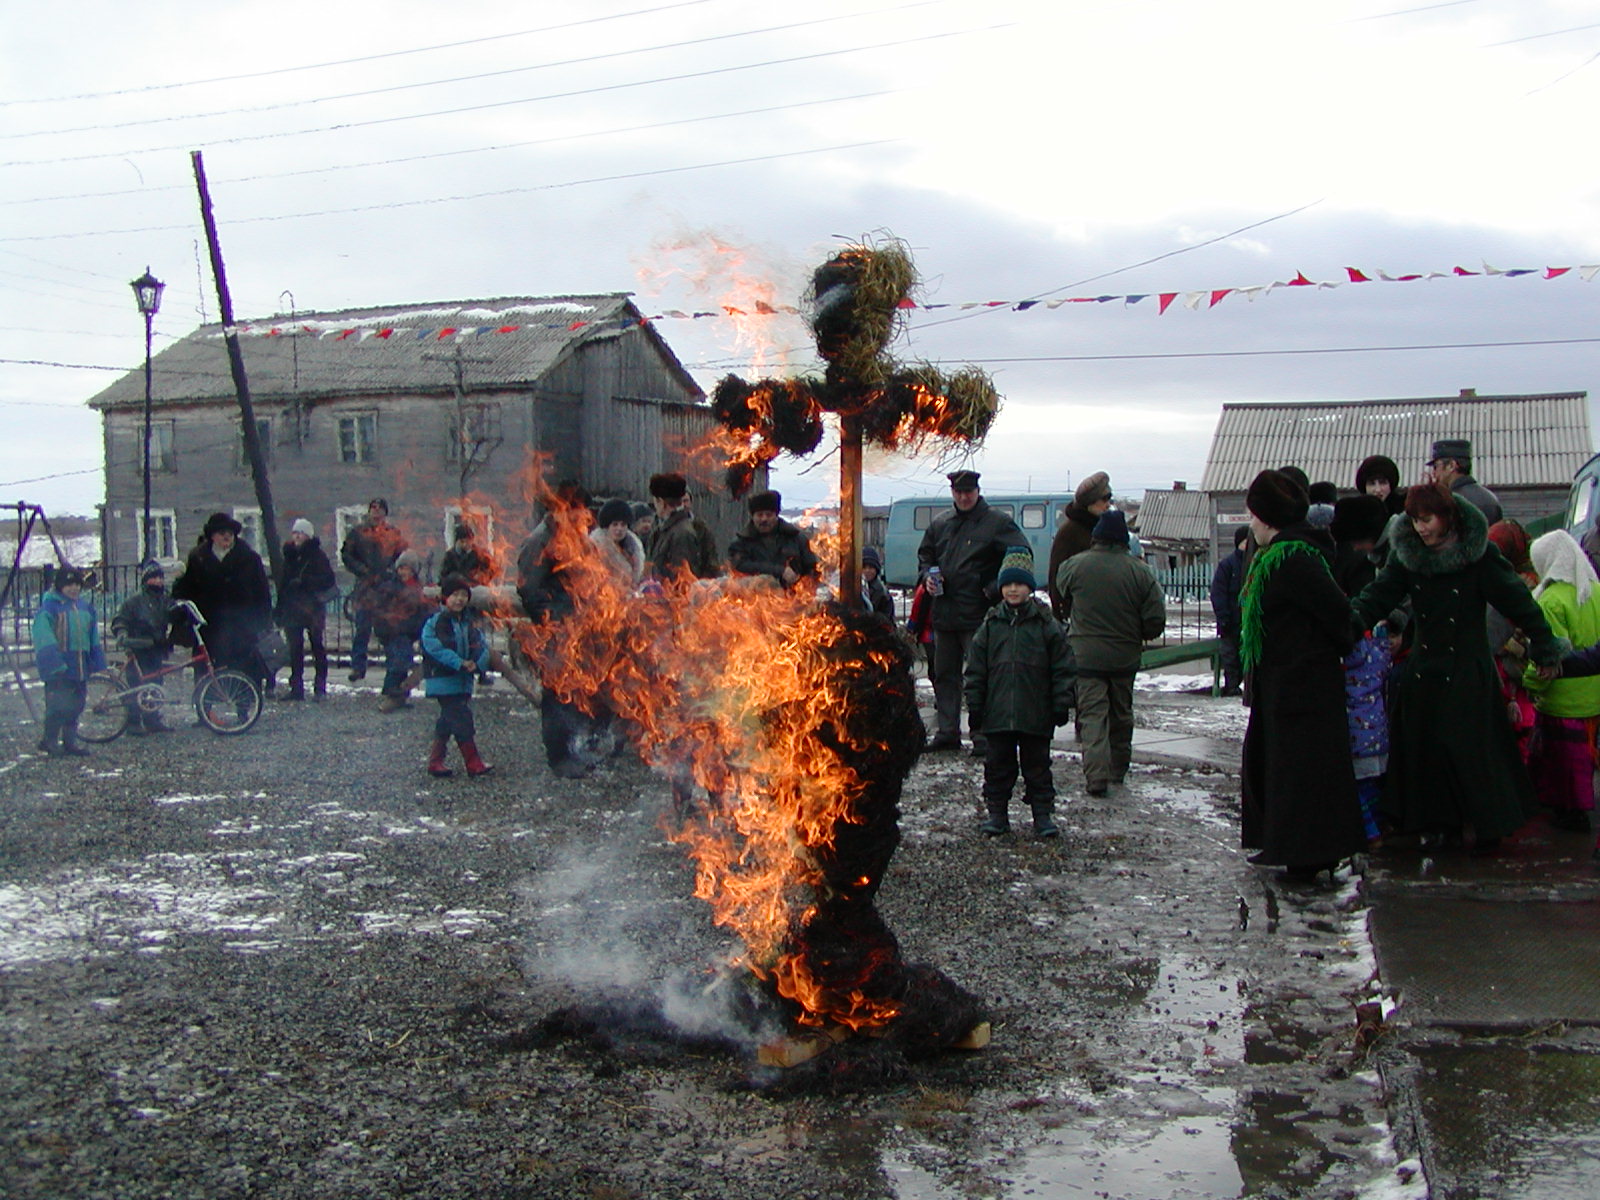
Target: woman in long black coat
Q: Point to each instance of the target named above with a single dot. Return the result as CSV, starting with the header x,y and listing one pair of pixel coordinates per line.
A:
x,y
1454,770
1300,809
225,579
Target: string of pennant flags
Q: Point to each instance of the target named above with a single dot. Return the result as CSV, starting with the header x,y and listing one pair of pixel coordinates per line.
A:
x,y
1194,300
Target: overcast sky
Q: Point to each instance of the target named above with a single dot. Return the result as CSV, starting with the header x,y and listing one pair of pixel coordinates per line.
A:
x,y
696,153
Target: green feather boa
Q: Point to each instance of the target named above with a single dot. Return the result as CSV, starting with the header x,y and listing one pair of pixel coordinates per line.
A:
x,y
1252,628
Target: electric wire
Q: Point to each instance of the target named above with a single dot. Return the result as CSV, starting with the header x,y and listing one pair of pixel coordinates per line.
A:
x,y
414,158
517,191
346,62
497,104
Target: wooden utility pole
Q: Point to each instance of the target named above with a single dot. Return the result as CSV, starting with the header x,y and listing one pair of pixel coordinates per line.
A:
x,y
241,384
849,507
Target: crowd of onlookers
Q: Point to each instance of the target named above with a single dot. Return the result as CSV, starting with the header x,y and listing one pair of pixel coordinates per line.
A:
x,y
1416,667
1408,655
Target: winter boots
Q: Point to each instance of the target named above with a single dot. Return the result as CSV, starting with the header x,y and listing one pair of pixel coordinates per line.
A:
x,y
997,824
1044,824
475,764
436,766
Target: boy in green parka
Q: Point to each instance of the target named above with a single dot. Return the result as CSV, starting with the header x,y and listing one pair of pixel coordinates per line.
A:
x,y
1020,684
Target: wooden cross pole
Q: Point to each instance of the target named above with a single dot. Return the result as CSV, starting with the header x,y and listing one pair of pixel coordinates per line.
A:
x,y
849,506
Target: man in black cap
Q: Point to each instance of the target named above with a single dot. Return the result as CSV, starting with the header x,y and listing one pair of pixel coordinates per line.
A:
x,y
959,562
769,545
1450,463
681,539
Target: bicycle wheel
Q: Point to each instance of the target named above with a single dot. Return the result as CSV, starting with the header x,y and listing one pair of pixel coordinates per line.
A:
x,y
228,702
104,714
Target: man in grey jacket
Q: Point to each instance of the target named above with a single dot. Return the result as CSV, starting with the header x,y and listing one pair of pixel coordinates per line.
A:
x,y
1114,606
1450,463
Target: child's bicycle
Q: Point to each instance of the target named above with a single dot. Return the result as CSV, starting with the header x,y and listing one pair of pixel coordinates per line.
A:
x,y
226,701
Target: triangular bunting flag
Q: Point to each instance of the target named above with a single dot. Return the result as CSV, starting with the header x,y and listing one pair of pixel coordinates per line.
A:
x,y
1553,272
1356,276
1166,299
1216,296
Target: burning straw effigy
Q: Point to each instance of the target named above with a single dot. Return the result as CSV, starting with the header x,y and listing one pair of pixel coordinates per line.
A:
x,y
792,720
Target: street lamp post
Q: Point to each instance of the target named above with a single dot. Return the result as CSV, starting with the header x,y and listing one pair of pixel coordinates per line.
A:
x,y
147,291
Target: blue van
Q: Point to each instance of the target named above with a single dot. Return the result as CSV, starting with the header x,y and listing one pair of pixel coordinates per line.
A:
x,y
1583,501
1036,514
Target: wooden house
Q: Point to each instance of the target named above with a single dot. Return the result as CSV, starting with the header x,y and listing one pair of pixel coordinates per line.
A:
x,y
438,408
1525,449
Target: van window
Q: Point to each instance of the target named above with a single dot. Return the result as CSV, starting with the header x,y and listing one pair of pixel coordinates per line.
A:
x,y
922,516
1005,510
1032,516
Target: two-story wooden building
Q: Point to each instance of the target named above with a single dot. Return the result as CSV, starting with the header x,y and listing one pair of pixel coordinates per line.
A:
x,y
435,407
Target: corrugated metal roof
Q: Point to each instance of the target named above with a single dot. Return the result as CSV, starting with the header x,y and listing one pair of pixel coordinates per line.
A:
x,y
1529,441
1175,516
308,357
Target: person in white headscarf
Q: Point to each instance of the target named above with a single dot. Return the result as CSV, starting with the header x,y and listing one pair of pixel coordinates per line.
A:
x,y
1562,760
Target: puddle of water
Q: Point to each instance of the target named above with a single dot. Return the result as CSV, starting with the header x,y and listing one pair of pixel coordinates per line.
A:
x,y
1191,996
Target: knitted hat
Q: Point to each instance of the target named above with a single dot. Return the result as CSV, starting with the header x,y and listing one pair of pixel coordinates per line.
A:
x,y
1111,527
1511,539
409,558
303,526
765,502
451,584
151,567
219,522
669,485
871,558
613,511
1093,489
1017,567
67,576
1377,467
1359,519
1277,499
962,480
641,510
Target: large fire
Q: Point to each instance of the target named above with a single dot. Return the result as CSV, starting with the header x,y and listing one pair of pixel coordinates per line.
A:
x,y
787,724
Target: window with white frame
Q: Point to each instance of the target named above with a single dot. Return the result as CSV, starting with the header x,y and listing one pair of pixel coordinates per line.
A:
x,y
346,518
358,436
163,535
250,518
481,520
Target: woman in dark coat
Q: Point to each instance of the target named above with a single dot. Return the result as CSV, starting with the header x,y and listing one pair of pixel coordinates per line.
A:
x,y
227,582
304,589
1298,785
1454,770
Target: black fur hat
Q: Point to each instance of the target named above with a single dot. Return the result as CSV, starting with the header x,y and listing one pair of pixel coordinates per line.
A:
x,y
1277,499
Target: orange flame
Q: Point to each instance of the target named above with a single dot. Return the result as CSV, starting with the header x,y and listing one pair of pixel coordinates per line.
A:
x,y
734,687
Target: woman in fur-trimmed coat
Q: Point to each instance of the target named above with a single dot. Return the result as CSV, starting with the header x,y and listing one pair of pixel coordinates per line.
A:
x,y
1454,770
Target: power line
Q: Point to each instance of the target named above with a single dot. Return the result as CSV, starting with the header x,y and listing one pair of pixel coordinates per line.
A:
x,y
471,108
1533,37
390,162
543,187
1286,351
1211,241
345,62
427,83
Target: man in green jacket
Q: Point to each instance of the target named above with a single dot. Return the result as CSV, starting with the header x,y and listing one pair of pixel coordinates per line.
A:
x,y
1114,606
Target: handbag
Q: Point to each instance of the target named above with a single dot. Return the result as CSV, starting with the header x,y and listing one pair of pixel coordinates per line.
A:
x,y
273,649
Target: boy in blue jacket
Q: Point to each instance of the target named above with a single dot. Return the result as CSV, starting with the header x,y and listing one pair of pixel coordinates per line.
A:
x,y
1020,684
454,653
66,649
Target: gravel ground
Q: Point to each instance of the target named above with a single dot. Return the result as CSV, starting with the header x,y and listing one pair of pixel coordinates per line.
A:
x,y
289,964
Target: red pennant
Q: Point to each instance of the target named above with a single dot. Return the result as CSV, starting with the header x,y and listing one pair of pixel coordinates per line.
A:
x,y
1356,276
508,328
1166,299
576,325
906,302
1553,272
734,312
1300,280
1216,296
1464,271
384,333
344,333
447,331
